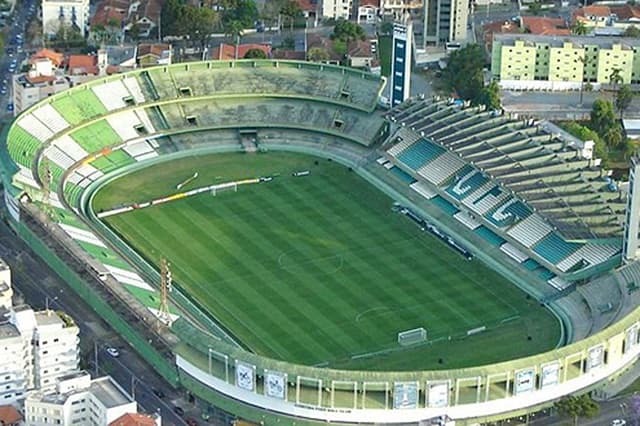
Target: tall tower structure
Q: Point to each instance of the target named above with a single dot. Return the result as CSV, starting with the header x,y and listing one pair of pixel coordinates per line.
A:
x,y
402,51
632,216
164,315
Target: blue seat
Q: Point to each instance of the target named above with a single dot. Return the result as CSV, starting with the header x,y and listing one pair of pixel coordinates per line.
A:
x,y
420,153
554,248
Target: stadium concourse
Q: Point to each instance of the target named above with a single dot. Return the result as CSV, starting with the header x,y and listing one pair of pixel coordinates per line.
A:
x,y
533,206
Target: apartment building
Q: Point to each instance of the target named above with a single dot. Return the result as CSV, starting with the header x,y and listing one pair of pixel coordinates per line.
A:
x,y
78,400
67,12
336,9
445,21
36,348
521,61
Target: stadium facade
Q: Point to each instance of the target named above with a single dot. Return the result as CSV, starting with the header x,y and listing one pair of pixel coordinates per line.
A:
x,y
528,202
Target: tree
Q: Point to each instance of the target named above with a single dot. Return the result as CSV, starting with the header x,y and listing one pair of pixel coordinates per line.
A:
x,y
623,99
614,136
243,11
318,54
172,11
463,74
615,77
535,8
234,30
631,31
291,10
603,116
255,54
347,31
577,406
197,23
134,31
491,96
579,28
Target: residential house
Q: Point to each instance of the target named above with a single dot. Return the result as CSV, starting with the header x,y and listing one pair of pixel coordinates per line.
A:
x,y
150,54
137,419
9,416
228,51
368,11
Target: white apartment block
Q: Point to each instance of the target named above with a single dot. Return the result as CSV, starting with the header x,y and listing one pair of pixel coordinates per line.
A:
x,y
73,12
78,400
36,348
337,9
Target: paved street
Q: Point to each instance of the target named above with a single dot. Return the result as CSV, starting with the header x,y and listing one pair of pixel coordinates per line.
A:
x,y
38,286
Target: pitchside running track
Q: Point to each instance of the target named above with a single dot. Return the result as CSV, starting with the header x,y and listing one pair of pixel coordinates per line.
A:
x,y
320,270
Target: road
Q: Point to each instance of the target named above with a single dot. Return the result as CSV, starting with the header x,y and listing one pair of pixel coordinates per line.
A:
x,y
39,286
559,105
14,53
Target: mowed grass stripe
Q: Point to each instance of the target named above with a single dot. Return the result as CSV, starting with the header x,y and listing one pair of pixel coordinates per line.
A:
x,y
323,306
319,268
233,267
296,304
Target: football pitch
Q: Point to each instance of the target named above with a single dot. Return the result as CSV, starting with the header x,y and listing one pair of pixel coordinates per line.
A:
x,y
319,270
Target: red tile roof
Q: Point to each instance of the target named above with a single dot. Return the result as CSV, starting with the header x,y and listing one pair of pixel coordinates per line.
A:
x,y
133,419
498,27
55,57
626,12
109,10
306,5
546,26
374,3
593,10
82,64
9,415
228,51
360,48
155,49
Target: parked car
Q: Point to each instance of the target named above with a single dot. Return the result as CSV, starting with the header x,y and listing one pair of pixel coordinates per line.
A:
x,y
113,352
191,421
158,393
178,410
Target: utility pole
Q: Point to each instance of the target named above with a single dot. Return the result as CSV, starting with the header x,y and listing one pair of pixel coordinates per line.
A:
x,y
95,356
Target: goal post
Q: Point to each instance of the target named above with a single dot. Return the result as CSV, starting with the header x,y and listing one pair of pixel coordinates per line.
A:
x,y
412,337
231,186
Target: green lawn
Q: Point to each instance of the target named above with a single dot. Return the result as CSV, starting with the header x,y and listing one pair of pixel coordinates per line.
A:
x,y
318,269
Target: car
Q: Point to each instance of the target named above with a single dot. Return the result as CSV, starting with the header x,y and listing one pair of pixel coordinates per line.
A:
x,y
178,410
3,91
113,352
158,393
618,422
10,107
191,421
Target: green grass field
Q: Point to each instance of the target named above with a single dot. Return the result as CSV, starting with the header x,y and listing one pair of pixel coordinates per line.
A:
x,y
318,269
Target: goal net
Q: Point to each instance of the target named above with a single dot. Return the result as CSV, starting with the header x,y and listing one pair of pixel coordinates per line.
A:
x,y
231,186
411,337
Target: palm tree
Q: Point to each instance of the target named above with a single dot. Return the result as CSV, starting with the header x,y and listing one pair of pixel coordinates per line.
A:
x,y
579,28
615,77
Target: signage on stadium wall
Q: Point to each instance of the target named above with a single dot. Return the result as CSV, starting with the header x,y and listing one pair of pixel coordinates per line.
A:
x,y
245,376
631,337
275,384
550,375
437,394
525,381
405,395
595,357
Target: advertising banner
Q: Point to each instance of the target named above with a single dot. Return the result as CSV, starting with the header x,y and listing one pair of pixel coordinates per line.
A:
x,y
275,384
245,376
405,395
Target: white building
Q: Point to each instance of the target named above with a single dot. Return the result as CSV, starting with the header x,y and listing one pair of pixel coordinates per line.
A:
x,y
36,348
68,12
78,400
368,11
336,9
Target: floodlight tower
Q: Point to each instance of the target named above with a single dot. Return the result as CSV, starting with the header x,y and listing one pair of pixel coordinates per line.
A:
x,y
165,287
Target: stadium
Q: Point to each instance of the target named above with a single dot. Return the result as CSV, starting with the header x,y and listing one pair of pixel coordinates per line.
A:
x,y
272,241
